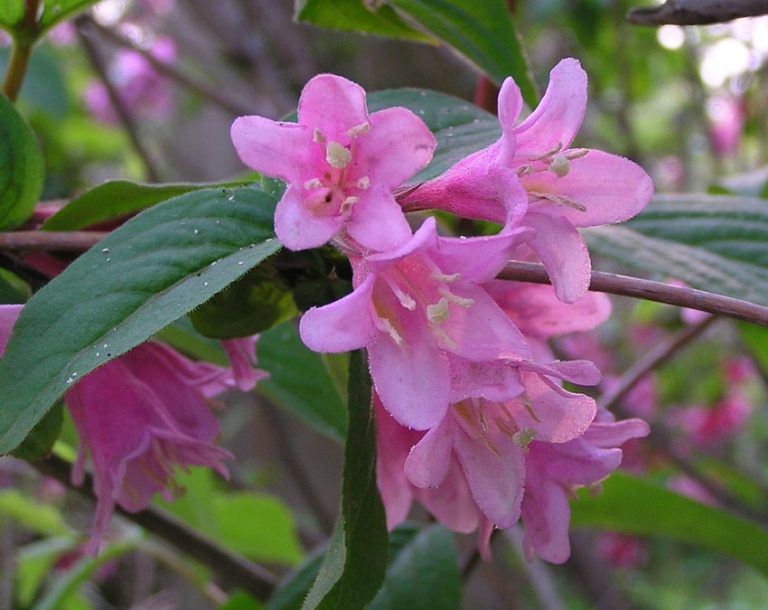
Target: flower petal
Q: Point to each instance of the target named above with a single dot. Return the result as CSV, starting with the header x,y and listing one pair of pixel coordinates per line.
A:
x,y
558,116
429,459
564,254
611,189
297,228
8,315
378,221
334,105
397,146
273,148
343,325
546,516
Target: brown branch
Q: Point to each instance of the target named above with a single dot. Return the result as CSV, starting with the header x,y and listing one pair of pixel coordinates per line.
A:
x,y
121,110
697,12
172,73
649,290
232,569
75,241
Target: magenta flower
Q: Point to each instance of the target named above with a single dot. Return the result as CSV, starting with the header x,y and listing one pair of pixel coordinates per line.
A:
x,y
553,471
426,322
139,417
547,185
242,358
341,165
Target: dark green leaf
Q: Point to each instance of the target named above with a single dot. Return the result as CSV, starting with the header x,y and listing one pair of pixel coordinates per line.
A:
x,y
459,127
355,563
113,200
755,338
357,16
240,600
299,381
11,14
635,506
42,437
293,589
21,167
146,274
481,30
424,574
711,243
56,11
255,303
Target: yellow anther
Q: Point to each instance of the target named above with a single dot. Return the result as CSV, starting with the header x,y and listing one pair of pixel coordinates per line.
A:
x,y
337,156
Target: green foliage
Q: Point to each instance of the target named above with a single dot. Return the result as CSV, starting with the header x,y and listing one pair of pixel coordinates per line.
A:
x,y
358,16
299,381
44,88
146,274
35,562
355,563
254,303
42,437
21,167
40,518
713,243
483,31
635,506
56,11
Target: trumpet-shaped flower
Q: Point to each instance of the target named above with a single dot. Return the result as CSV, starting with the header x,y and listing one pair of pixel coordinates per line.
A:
x,y
341,165
559,188
426,322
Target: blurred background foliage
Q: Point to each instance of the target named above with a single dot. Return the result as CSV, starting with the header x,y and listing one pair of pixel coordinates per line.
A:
x,y
686,103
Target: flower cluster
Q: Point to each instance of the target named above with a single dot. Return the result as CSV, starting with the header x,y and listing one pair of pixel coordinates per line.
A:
x,y
473,420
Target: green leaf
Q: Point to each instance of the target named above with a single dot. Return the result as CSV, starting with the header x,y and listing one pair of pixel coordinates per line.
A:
x,y
634,506
117,199
21,167
257,526
44,87
240,600
711,243
146,274
357,16
40,518
299,381
42,437
355,562
36,561
755,338
484,31
253,304
11,14
56,11
459,127
424,574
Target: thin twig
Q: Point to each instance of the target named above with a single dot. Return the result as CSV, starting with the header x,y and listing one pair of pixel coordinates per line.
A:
x,y
173,73
232,569
114,96
74,241
649,290
696,12
660,354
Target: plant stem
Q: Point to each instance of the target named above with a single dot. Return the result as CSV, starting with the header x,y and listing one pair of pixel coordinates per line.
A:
x,y
74,241
649,290
233,570
23,41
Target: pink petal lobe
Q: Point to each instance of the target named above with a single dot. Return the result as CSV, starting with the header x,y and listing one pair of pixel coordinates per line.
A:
x,y
611,189
558,116
546,515
8,316
564,254
334,105
276,149
343,325
297,228
428,461
378,221
398,146
412,379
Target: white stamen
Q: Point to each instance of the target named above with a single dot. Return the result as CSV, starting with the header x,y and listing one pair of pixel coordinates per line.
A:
x,y
391,331
364,183
318,136
337,156
456,300
313,184
443,277
358,130
523,438
438,313
560,166
559,199
346,205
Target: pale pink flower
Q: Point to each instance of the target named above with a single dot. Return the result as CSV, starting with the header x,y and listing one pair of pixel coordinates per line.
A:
x,y
429,326
533,177
242,358
341,165
139,417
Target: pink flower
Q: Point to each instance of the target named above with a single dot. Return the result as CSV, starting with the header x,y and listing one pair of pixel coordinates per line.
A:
x,y
532,177
340,163
139,417
242,357
553,471
428,325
